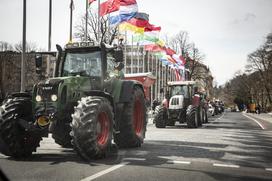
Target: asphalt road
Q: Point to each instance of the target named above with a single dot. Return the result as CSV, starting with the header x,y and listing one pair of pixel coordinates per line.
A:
x,y
230,147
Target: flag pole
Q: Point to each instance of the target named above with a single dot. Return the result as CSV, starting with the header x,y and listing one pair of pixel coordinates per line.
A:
x,y
98,22
71,20
50,24
24,49
86,21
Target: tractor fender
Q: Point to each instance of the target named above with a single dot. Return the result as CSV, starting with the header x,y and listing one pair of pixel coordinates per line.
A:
x,y
20,94
190,108
127,90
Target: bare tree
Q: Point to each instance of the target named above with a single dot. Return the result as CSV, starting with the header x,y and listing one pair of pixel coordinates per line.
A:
x,y
261,61
5,46
180,43
30,47
107,33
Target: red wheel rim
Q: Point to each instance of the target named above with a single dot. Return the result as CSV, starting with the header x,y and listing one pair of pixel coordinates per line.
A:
x,y
103,128
138,117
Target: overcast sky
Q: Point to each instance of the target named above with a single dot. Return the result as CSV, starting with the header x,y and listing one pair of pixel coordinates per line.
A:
x,y
226,31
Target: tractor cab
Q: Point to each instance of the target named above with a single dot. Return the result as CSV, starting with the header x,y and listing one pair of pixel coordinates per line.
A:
x,y
180,93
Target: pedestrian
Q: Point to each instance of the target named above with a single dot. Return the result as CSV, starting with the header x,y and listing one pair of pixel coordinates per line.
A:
x,y
118,70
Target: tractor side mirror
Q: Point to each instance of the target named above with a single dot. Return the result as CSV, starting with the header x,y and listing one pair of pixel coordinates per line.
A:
x,y
118,55
38,63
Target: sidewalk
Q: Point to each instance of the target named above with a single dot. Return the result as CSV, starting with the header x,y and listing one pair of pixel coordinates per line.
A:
x,y
263,116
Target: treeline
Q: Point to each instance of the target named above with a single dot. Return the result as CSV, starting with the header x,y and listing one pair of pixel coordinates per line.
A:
x,y
255,83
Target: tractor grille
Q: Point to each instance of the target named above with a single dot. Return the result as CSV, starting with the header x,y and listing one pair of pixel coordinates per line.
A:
x,y
46,91
175,101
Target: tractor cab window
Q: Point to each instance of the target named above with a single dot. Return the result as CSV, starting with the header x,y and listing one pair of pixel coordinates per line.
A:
x,y
83,64
180,90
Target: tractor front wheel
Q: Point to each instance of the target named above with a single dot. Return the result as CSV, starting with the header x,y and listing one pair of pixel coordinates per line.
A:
x,y
16,123
92,126
133,124
192,117
160,116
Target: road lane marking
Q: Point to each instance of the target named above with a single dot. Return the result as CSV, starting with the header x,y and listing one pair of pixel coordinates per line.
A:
x,y
255,121
225,165
269,169
135,159
180,162
104,172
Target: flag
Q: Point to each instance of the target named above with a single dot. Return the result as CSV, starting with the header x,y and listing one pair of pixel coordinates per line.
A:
x,y
178,60
143,16
138,22
152,28
127,2
130,27
90,1
109,6
182,59
153,48
169,51
177,74
124,13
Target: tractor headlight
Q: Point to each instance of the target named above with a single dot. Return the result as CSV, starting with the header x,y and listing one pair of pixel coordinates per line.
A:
x,y
54,97
38,98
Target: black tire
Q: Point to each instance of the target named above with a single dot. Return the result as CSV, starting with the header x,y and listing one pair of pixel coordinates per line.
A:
x,y
92,127
170,122
132,126
61,133
192,117
200,117
16,140
160,116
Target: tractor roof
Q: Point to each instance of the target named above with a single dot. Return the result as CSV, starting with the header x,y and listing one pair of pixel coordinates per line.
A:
x,y
84,44
181,83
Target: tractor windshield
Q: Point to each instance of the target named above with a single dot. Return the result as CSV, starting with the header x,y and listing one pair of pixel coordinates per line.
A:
x,y
83,64
180,90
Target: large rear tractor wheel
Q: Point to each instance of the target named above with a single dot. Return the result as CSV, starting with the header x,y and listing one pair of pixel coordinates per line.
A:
x,y
61,133
133,124
160,117
192,118
17,139
92,126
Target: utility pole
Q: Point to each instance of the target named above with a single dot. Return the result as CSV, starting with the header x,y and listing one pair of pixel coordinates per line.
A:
x,y
24,49
86,21
71,20
49,38
99,23
50,24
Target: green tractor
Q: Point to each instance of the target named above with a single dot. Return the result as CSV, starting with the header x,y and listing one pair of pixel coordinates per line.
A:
x,y
85,106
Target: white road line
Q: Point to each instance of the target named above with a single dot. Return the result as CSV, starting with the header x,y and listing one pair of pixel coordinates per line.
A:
x,y
180,162
269,169
135,159
104,172
225,165
254,120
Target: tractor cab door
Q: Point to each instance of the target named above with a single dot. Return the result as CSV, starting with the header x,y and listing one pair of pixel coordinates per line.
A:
x,y
113,77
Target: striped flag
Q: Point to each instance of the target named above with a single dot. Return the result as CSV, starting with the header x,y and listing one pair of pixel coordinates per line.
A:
x,y
126,11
